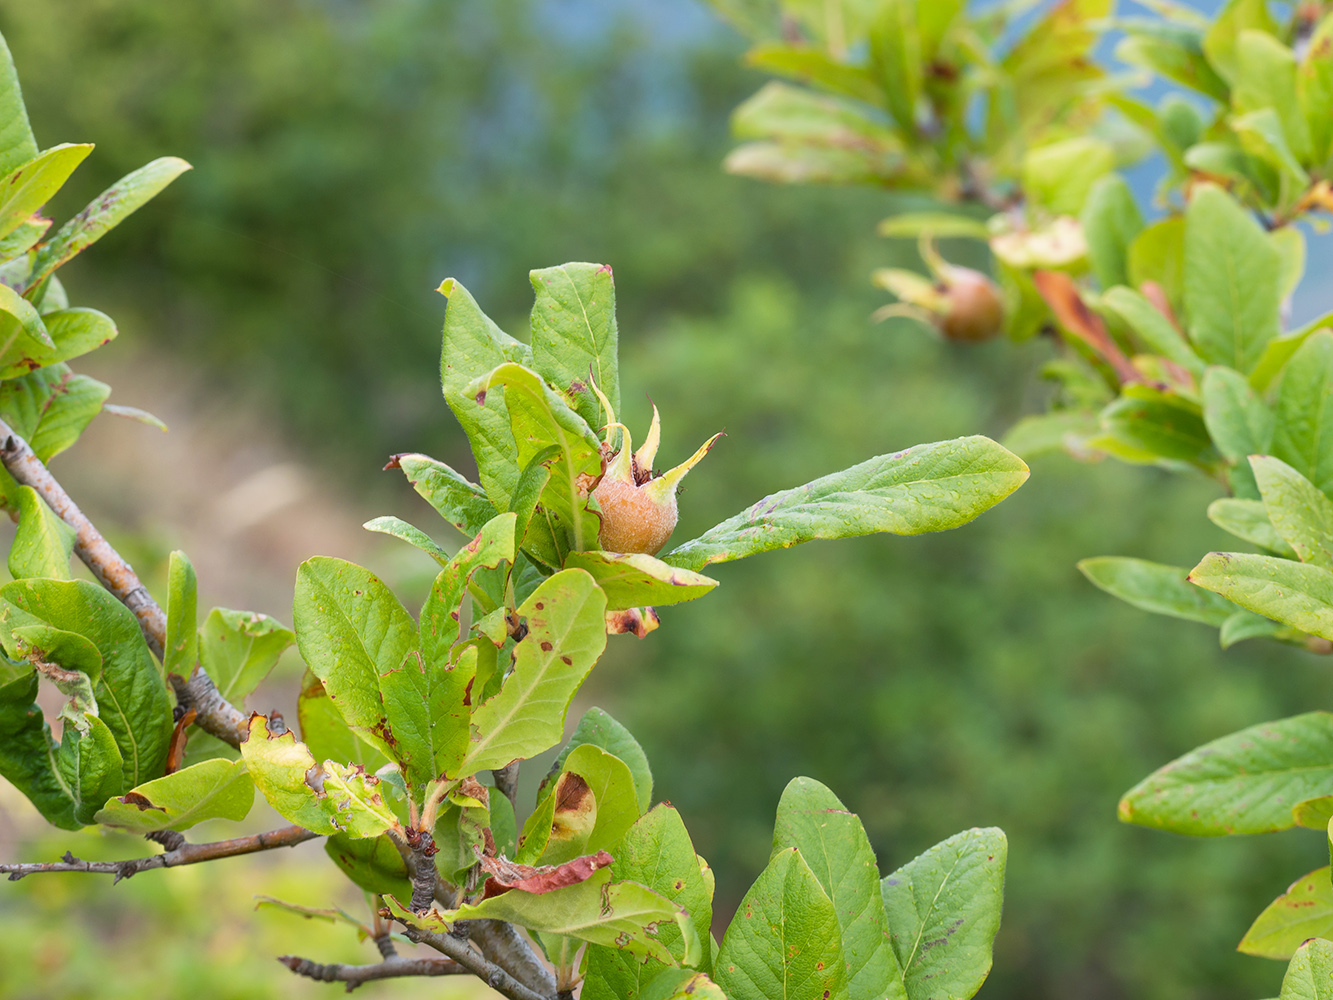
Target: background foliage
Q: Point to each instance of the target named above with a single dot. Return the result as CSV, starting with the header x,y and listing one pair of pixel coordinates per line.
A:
x,y
348,156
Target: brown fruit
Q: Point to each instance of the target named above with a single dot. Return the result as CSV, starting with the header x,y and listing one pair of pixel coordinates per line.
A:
x,y
975,308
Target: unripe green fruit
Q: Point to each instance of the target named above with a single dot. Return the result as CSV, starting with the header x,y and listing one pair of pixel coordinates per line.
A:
x,y
974,307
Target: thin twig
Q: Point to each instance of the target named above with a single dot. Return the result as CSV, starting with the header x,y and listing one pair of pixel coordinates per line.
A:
x,y
216,715
355,975
488,972
184,854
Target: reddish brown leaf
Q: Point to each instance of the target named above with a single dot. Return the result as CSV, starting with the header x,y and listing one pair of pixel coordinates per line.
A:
x,y
176,753
506,875
1072,313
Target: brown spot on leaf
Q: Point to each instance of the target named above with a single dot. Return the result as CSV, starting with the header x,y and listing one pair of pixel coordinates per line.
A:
x,y
506,875
546,646
139,801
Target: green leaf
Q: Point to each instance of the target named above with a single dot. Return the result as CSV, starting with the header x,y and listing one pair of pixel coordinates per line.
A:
x,y
1279,352
1247,625
1289,592
1154,587
30,186
930,487
463,504
539,419
795,116
1303,437
656,852
1304,911
43,542
69,413
474,346
239,648
1232,280
104,213
1266,80
1314,89
1261,136
1248,519
1247,782
895,58
1154,329
182,639
409,533
1057,430
590,807
943,910
1157,425
350,629
74,332
1158,255
327,734
566,618
600,730
621,915
834,844
1060,175
286,773
808,64
1299,513
1310,974
215,789
1176,55
632,580
1221,40
1111,219
784,940
1313,814
17,145
89,763
574,335
942,225
788,163
27,752
424,695
372,863
131,694
1237,419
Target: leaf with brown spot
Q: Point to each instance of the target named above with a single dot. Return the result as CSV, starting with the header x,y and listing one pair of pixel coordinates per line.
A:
x,y
537,879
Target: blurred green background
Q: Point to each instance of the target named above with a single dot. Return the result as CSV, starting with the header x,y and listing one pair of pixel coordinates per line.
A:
x,y
348,156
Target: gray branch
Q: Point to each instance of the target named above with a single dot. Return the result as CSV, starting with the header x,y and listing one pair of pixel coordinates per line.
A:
x,y
214,714
481,967
181,852
504,945
354,975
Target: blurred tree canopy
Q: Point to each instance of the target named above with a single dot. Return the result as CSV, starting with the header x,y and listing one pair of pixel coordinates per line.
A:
x,y
349,155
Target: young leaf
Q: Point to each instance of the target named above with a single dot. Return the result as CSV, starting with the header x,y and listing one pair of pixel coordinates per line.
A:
x,y
1299,513
1111,219
1314,87
1303,437
1313,814
131,694
1247,782
784,940
592,804
473,346
409,533
211,790
181,651
834,844
930,487
424,695
539,419
1289,592
1163,590
1154,329
1266,81
239,648
1310,974
574,335
1304,911
599,729
1238,421
656,852
30,186
104,213
1232,280
1220,41
1157,425
43,543
670,984
566,619
88,762
634,580
350,629
943,910
17,146
461,503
